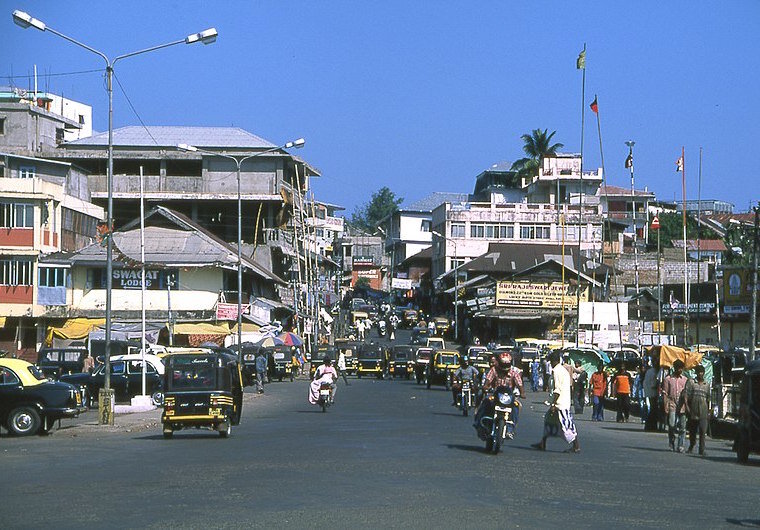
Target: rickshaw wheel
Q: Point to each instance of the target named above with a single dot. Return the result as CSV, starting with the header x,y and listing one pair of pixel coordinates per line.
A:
x,y
168,435
291,378
227,431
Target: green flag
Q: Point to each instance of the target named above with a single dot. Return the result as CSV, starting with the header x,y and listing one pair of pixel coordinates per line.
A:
x,y
580,64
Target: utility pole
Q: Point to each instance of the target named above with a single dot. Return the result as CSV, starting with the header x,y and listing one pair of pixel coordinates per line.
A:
x,y
753,313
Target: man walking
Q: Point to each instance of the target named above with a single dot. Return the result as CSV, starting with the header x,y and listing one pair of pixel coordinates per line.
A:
x,y
675,410
598,387
579,388
559,418
342,366
651,400
697,401
622,387
261,370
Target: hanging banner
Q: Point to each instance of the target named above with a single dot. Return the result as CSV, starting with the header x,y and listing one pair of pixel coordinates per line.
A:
x,y
229,311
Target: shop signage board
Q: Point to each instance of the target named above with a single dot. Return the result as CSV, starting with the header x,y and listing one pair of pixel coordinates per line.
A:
x,y
363,261
535,295
155,279
401,283
229,311
737,291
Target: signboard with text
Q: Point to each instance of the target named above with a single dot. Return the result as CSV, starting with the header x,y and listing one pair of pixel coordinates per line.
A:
x,y
132,279
535,295
229,311
401,283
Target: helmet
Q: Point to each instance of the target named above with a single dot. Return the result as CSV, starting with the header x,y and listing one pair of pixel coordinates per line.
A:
x,y
464,360
504,361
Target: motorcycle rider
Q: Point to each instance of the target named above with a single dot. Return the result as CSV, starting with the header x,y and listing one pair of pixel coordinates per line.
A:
x,y
325,373
501,374
465,372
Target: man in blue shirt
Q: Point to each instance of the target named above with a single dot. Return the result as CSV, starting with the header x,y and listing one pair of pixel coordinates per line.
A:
x,y
261,370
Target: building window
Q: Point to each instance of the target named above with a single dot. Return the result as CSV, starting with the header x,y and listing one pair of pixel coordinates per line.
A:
x,y
457,230
81,119
455,263
427,225
320,232
534,232
506,232
16,271
16,215
53,277
26,172
477,230
2,125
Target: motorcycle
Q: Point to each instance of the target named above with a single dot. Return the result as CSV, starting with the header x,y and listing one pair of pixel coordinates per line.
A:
x,y
325,396
496,425
465,397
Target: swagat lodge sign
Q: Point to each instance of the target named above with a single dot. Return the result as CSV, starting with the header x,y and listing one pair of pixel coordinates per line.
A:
x,y
535,295
131,279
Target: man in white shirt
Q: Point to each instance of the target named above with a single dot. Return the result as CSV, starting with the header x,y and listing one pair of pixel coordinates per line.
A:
x,y
559,418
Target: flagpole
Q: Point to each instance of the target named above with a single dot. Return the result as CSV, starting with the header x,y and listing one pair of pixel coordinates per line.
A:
x,y
699,249
582,66
685,264
595,109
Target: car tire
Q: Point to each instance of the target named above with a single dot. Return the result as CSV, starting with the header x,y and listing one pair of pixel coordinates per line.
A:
x,y
24,421
157,398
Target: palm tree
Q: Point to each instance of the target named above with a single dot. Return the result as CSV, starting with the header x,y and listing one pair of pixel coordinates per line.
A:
x,y
537,145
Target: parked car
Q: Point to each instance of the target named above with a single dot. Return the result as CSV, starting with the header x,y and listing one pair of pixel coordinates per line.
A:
x,y
30,402
54,362
126,378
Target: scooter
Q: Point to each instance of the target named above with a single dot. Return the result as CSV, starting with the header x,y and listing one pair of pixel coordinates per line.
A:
x,y
325,396
503,401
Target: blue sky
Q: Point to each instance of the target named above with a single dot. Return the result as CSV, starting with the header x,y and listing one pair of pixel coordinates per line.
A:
x,y
422,96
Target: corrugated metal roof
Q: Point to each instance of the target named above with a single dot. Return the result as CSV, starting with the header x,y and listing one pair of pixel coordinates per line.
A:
x,y
170,136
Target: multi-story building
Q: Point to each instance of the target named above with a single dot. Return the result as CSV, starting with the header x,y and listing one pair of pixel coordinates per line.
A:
x,y
560,180
706,207
408,231
628,209
464,231
44,208
324,227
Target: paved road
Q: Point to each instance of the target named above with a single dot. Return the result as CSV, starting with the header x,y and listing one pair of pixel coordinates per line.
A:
x,y
389,453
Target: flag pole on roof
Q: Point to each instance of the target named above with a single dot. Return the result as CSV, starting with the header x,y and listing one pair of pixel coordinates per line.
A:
x,y
581,65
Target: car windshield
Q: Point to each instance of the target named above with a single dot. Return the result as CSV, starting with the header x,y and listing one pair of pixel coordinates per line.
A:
x,y
193,373
400,356
448,359
36,373
423,355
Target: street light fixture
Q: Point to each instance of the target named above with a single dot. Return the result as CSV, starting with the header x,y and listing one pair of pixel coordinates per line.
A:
x,y
207,36
238,160
456,284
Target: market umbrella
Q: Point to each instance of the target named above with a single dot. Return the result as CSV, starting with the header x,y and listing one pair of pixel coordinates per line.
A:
x,y
291,339
269,342
588,357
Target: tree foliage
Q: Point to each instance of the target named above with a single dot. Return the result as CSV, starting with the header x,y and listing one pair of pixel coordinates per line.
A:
x,y
382,204
537,145
671,228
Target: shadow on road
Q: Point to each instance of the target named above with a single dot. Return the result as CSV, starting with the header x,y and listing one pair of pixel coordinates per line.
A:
x,y
209,435
469,448
748,523
459,415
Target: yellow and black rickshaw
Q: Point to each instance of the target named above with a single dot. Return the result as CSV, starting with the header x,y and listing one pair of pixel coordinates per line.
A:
x,y
350,349
410,318
317,359
372,361
281,363
202,390
443,364
442,326
401,362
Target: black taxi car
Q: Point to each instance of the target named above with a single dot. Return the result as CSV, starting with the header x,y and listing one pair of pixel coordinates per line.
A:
x,y
30,402
372,361
401,361
202,390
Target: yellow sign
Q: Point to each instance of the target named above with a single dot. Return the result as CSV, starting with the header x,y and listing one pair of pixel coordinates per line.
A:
x,y
536,295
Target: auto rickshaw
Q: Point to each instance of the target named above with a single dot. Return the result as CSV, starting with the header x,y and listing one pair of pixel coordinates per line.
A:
x,y
202,390
350,350
372,361
319,356
748,429
442,366
401,362
442,326
410,318
281,363
481,358
356,316
421,362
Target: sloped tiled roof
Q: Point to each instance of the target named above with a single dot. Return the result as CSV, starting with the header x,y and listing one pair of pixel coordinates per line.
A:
x,y
170,136
618,191
434,200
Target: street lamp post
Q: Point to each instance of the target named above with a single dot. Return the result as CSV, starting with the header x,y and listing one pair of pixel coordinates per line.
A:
x,y
206,37
238,160
456,285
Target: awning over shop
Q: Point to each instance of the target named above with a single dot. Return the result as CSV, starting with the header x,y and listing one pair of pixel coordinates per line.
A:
x,y
468,283
129,331
201,328
74,328
248,327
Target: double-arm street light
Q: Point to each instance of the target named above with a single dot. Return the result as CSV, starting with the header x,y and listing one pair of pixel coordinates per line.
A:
x,y
456,283
206,37
238,160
